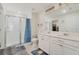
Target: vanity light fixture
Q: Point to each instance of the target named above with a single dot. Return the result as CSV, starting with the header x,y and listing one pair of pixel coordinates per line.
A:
x,y
49,9
55,7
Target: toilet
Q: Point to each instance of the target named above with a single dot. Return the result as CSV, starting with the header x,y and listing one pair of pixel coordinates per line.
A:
x,y
35,43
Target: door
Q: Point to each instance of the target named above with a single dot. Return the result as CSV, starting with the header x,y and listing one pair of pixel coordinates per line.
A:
x,y
12,30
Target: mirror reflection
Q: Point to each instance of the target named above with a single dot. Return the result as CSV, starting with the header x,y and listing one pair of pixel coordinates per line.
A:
x,y
65,19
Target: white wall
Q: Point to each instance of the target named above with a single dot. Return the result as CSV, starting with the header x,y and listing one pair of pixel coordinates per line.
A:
x,y
17,9
2,27
70,22
35,18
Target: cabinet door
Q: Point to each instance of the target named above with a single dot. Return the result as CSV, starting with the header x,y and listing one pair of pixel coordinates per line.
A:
x,y
44,43
68,50
56,47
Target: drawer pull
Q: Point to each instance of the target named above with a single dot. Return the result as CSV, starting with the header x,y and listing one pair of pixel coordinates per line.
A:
x,y
60,45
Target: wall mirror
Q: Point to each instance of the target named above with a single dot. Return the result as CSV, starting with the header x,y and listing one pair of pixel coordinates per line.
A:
x,y
65,19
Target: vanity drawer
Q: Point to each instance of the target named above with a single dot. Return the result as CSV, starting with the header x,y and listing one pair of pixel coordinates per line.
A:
x,y
71,43
57,40
69,50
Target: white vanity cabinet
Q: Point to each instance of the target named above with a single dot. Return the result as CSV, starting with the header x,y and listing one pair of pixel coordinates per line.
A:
x,y
58,45
63,47
44,43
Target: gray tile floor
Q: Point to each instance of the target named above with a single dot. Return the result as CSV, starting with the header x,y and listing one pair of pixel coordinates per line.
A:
x,y
14,51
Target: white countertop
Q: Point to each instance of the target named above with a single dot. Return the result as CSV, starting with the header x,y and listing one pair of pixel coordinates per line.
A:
x,y
63,35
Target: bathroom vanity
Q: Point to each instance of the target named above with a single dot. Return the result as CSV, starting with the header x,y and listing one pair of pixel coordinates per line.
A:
x,y
59,44
61,34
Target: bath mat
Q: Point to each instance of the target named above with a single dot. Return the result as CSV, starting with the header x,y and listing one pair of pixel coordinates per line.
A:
x,y
38,52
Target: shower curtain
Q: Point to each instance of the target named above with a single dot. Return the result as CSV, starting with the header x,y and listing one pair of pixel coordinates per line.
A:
x,y
27,37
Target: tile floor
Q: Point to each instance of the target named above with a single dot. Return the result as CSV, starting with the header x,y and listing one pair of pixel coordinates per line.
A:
x,y
14,51
30,48
27,49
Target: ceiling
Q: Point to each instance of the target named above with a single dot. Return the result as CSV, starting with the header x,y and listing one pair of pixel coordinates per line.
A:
x,y
24,6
